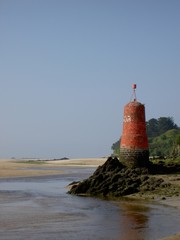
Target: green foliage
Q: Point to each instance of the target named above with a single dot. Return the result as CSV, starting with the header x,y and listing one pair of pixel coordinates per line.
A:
x,y
165,144
32,162
163,137
115,145
116,148
178,140
166,161
152,127
156,127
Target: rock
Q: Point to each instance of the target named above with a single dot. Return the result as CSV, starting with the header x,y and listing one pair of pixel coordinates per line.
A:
x,y
115,180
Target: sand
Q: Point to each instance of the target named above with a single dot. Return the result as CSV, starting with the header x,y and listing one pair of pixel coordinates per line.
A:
x,y
173,237
21,168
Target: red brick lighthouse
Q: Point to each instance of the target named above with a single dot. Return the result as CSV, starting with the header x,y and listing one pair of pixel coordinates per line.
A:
x,y
134,150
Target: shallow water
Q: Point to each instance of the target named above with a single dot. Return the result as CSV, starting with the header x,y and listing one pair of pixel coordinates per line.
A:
x,y
39,208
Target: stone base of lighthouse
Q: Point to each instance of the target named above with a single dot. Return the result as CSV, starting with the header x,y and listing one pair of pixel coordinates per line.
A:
x,y
134,157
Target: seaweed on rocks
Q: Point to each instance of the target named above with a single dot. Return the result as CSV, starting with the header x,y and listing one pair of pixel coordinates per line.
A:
x,y
113,179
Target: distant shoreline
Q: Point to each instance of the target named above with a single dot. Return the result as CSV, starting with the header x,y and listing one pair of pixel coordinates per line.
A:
x,y
32,167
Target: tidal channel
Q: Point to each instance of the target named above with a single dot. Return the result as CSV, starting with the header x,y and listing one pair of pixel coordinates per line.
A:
x,y
39,208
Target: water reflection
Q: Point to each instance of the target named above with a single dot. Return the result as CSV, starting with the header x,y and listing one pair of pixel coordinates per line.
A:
x,y
134,221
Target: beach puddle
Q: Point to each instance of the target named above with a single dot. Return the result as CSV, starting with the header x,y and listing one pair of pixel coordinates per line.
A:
x,y
39,208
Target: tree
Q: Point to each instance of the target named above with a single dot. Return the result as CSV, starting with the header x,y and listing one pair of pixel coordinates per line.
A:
x,y
152,128
116,147
156,127
165,124
176,149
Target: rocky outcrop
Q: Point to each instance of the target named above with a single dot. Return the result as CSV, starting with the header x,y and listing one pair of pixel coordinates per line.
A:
x,y
113,179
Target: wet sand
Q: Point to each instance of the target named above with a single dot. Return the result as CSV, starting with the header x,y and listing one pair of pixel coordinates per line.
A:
x,y
21,168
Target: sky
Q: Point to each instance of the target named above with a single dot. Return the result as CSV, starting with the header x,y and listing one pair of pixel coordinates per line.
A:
x,y
67,67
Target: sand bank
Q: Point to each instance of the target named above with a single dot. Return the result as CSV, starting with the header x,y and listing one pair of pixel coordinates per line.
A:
x,y
22,168
84,162
173,237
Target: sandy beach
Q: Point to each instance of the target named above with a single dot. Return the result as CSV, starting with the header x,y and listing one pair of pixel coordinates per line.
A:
x,y
20,168
10,168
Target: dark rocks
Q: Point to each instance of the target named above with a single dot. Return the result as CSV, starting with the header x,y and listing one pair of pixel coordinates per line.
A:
x,y
162,168
113,179
151,184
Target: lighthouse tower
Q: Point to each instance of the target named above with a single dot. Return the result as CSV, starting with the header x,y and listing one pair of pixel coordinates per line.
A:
x,y
134,150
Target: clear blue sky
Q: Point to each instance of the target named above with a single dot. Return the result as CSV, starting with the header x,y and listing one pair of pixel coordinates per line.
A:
x,y
67,66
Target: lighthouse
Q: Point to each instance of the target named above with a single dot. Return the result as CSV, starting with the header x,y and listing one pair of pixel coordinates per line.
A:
x,y
134,151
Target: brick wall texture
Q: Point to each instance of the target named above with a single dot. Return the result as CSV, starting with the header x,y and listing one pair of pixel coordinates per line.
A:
x,y
134,143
